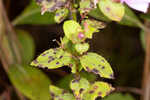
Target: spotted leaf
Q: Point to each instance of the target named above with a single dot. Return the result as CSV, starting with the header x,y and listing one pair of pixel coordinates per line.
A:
x,y
53,58
86,6
73,31
60,94
98,89
61,14
55,91
51,5
114,11
95,63
79,86
92,26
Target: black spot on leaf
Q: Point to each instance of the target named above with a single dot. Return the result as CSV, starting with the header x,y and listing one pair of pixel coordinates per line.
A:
x,y
112,76
49,61
103,60
87,68
95,71
60,57
103,67
81,90
53,59
99,93
50,57
52,94
76,81
57,63
92,91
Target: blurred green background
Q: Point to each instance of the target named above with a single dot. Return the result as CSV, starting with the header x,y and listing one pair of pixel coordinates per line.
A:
x,y
122,44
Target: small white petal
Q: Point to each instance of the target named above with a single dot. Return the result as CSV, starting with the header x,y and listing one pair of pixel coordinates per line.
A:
x,y
140,5
95,2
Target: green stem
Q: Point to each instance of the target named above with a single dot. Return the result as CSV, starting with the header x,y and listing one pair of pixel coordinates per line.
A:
x,y
74,15
73,12
141,25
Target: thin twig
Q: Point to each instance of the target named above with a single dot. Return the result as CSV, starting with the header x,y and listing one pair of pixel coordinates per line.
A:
x,y
11,44
14,44
129,89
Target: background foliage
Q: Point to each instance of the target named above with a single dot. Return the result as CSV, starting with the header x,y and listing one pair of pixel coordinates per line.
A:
x,y
121,43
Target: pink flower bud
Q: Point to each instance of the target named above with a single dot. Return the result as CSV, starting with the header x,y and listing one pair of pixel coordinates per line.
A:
x,y
81,35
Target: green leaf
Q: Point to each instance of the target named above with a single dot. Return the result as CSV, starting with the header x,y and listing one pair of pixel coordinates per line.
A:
x,y
89,76
94,23
98,89
114,11
30,81
65,81
61,14
81,48
32,15
143,40
129,19
119,96
53,58
79,87
95,63
96,13
55,91
64,42
66,96
145,16
92,26
27,46
85,6
60,94
72,30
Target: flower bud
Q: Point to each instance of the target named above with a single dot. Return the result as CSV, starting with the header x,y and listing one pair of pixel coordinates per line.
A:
x,y
81,35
